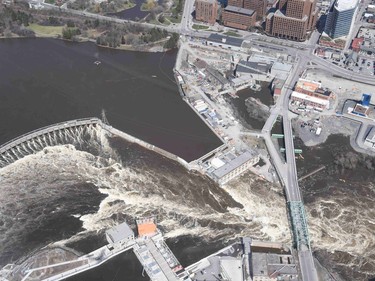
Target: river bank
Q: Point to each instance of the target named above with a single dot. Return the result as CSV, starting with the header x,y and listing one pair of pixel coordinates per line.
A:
x,y
155,47
22,22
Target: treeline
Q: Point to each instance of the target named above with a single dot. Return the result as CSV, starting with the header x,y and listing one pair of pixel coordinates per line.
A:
x,y
154,35
12,21
117,36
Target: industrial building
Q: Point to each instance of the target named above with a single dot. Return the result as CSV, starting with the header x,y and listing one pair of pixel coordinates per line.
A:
x,y
340,17
225,42
293,19
239,18
361,108
281,70
229,166
311,95
206,11
314,89
309,102
247,260
119,236
252,69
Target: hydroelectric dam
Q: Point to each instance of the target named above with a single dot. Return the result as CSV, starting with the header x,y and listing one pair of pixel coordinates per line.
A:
x,y
69,132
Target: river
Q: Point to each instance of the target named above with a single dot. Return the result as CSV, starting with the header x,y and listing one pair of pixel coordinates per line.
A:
x,y
45,81
67,196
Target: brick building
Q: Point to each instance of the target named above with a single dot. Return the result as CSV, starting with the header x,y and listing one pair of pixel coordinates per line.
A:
x,y
239,18
259,6
206,11
236,3
293,19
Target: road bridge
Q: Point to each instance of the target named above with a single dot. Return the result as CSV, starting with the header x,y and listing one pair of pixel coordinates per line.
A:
x,y
60,133
294,197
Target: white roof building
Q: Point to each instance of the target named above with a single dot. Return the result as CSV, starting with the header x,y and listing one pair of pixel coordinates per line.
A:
x,y
310,100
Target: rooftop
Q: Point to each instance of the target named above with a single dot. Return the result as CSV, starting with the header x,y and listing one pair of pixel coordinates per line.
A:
x,y
119,232
239,10
146,227
279,13
253,67
232,268
233,164
308,85
311,99
225,39
342,5
273,265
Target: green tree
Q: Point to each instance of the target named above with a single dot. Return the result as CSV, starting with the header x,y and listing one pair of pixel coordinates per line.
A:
x,y
172,42
70,23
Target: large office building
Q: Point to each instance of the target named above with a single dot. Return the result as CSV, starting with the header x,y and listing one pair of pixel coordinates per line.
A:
x,y
293,19
340,17
206,10
239,18
259,6
236,3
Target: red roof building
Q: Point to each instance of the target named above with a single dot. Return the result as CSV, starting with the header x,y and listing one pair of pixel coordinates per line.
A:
x,y
356,44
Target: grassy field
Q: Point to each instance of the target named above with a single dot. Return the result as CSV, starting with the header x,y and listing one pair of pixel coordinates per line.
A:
x,y
46,30
231,33
199,27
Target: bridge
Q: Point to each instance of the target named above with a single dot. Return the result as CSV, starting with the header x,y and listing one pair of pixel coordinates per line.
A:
x,y
287,173
296,150
279,136
34,141
293,193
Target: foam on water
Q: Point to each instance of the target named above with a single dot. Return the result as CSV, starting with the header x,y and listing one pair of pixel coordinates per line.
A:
x,y
143,183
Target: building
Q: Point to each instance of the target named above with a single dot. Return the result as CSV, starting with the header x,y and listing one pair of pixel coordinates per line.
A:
x,y
370,138
277,87
252,69
313,89
225,42
119,236
356,44
206,11
309,102
368,44
340,17
236,3
273,267
239,18
370,8
293,19
259,6
225,171
364,108
146,227
310,95
281,70
223,3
